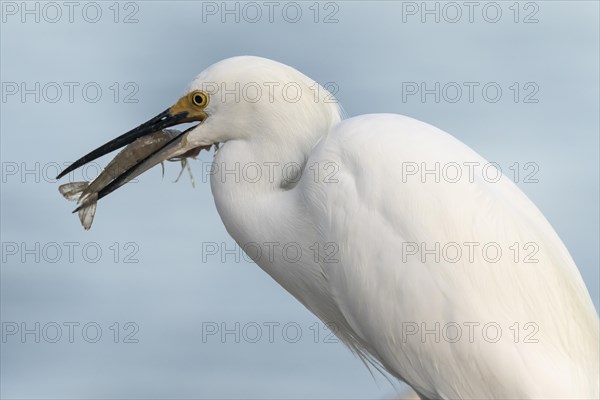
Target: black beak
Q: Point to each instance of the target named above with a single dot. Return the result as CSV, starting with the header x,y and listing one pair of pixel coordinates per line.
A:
x,y
163,120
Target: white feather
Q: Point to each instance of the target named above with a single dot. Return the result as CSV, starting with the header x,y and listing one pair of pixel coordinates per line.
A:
x,y
373,291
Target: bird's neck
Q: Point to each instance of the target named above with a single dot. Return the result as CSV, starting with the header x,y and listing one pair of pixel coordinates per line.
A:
x,y
256,185
251,172
255,190
249,182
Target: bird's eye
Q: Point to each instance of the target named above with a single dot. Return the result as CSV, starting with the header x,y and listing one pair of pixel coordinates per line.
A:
x,y
199,99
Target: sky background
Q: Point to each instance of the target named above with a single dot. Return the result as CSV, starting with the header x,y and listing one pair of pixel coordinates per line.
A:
x,y
140,274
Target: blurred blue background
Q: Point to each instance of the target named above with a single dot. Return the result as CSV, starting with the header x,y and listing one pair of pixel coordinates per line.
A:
x,y
142,261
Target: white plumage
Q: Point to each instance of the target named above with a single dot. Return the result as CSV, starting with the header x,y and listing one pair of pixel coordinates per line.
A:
x,y
355,202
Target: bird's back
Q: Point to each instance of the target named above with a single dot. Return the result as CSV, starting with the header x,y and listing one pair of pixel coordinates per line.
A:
x,y
417,275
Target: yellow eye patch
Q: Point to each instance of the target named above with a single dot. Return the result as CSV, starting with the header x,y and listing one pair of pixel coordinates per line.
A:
x,y
199,99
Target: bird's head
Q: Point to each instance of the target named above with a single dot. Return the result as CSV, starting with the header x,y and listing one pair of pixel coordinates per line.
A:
x,y
241,98
253,98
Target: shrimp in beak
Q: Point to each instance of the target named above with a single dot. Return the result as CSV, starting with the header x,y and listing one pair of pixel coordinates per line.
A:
x,y
147,145
139,152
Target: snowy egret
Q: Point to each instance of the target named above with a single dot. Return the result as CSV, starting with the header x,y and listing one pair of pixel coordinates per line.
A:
x,y
453,282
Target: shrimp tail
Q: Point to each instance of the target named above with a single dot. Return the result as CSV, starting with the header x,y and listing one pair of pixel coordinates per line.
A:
x,y
87,211
72,191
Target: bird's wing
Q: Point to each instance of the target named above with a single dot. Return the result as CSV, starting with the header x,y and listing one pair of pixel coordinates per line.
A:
x,y
469,324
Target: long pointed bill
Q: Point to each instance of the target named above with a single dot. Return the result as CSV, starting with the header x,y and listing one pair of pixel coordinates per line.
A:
x,y
147,145
163,120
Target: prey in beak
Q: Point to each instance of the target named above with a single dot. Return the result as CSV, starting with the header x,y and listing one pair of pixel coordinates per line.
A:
x,y
147,145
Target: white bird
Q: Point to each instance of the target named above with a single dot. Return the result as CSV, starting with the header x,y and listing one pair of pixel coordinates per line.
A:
x,y
393,259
